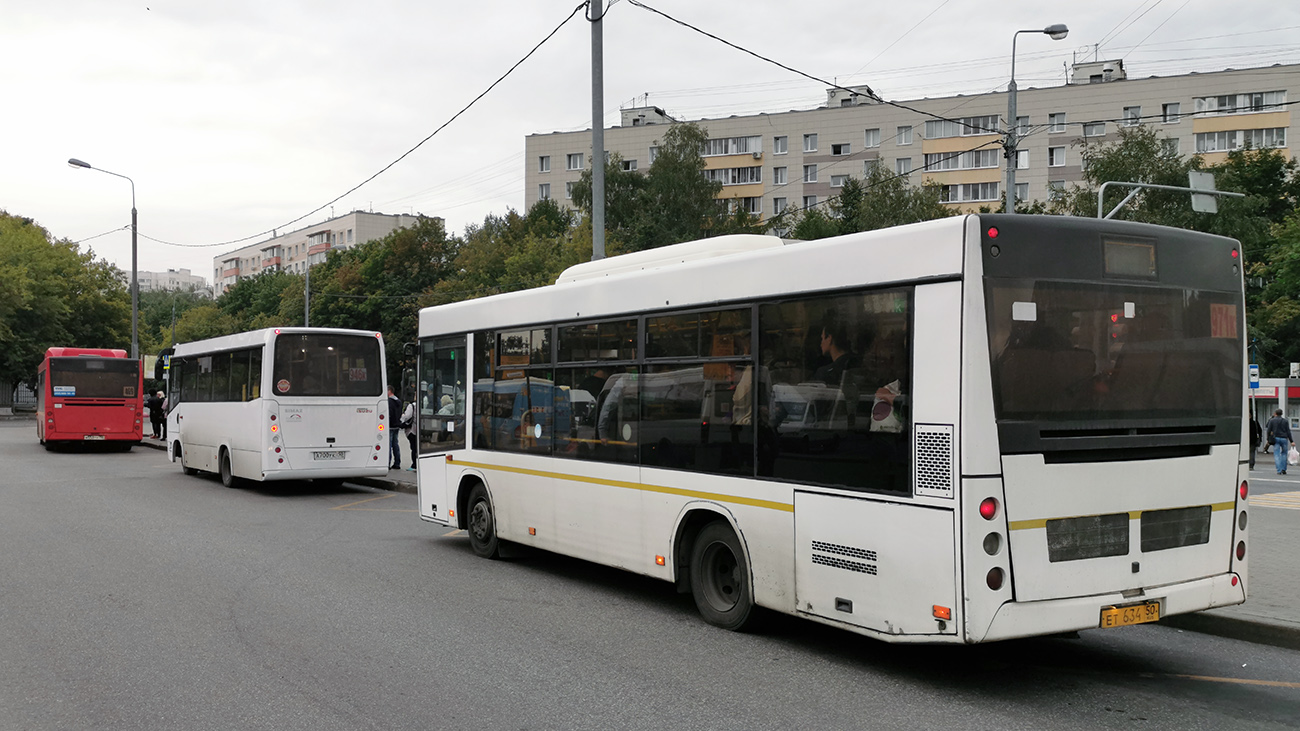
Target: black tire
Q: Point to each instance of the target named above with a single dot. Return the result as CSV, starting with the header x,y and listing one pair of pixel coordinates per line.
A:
x,y
720,578
227,472
481,524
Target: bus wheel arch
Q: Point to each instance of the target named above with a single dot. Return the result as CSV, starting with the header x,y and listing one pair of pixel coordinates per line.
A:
x,y
226,467
180,457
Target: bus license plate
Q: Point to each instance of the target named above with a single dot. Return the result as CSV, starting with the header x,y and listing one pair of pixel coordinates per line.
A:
x,y
1132,614
329,455
93,437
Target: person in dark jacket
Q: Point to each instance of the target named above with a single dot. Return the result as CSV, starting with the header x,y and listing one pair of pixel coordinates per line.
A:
x,y
1256,432
156,415
394,418
1279,434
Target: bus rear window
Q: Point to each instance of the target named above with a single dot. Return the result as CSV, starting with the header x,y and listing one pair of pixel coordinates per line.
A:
x,y
87,377
317,364
1075,351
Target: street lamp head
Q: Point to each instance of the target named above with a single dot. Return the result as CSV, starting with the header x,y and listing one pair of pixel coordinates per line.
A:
x,y
75,163
1056,32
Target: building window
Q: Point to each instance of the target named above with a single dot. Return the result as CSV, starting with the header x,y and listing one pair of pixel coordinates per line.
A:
x,y
1237,139
735,176
809,201
1055,157
779,176
573,161
840,149
779,145
1022,159
1170,146
1056,122
1132,116
629,165
568,189
1169,113
654,152
809,173
905,135
903,165
810,143
838,181
778,205
970,160
1094,129
543,191
1022,191
733,146
1259,101
1055,190
544,164
967,192
1022,126
752,205
963,127
349,236
873,138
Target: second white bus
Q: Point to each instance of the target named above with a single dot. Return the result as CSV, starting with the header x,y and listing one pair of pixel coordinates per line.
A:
x,y
280,404
965,430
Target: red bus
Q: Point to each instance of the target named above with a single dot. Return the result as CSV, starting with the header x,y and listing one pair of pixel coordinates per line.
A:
x,y
89,395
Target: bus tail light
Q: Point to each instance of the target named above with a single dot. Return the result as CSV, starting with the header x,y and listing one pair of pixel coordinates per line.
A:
x,y
1241,550
1243,491
989,508
994,578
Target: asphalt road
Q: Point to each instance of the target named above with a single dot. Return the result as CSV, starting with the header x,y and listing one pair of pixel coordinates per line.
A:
x,y
133,597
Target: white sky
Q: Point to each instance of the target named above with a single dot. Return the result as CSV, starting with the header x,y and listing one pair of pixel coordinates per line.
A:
x,y
237,117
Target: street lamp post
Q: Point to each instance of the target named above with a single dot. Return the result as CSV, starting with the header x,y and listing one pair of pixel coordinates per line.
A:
x,y
1055,32
135,283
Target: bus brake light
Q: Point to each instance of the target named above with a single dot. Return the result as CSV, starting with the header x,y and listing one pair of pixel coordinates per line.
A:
x,y
989,508
1242,490
275,428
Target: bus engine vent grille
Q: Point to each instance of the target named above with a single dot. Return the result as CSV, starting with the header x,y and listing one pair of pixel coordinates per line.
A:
x,y
839,555
934,460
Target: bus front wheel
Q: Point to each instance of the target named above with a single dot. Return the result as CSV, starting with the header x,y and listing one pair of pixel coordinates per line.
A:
x,y
482,524
720,578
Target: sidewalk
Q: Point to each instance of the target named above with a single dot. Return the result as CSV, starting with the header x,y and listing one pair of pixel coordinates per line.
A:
x,y
1270,616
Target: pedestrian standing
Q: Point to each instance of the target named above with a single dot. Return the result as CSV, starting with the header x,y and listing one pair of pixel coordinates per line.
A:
x,y
1255,433
1279,434
408,426
155,404
394,416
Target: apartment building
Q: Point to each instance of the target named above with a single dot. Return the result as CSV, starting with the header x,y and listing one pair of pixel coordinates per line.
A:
x,y
768,162
295,251
173,280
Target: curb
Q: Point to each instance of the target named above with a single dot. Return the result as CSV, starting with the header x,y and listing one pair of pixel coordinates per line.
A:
x,y
1259,631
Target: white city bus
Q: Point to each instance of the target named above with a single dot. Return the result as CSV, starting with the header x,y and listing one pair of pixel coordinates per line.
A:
x,y
964,430
280,404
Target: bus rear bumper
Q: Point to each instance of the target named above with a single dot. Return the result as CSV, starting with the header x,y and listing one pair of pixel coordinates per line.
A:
x,y
1053,616
340,472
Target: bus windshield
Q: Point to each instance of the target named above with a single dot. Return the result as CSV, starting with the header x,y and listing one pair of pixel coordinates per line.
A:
x,y
90,377
1098,351
327,364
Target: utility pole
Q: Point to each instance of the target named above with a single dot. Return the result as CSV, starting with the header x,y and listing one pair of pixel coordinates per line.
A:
x,y
596,13
306,293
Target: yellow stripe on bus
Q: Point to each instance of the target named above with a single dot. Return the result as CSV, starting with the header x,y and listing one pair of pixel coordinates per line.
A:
x,y
1132,515
752,502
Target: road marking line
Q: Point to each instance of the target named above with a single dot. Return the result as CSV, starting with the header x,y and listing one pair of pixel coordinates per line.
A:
x,y
348,506
1288,500
1236,681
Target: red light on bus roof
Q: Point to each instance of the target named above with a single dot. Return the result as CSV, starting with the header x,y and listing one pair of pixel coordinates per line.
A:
x,y
1114,318
1235,254
277,331
993,232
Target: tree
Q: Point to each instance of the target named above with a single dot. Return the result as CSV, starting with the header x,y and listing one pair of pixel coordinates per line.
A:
x,y
54,294
882,200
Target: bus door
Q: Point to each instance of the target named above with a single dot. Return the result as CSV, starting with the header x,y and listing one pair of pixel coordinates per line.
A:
x,y
442,397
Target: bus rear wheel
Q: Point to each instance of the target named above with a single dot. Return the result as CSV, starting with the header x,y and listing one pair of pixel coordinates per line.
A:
x,y
720,578
482,524
227,474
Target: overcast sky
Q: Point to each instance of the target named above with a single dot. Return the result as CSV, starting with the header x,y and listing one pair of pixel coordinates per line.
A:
x,y
238,117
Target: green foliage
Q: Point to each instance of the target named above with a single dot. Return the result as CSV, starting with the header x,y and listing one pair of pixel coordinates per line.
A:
x,y
54,294
156,311
882,200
